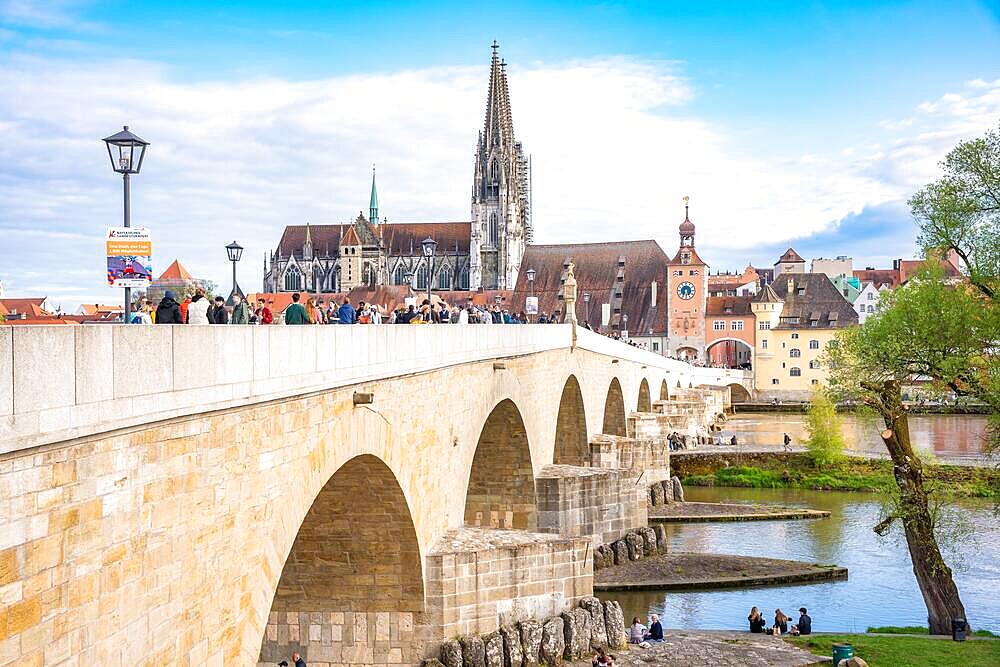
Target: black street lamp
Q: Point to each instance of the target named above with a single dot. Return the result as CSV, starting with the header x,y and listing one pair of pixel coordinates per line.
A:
x,y
234,250
530,274
625,325
586,301
126,151
429,246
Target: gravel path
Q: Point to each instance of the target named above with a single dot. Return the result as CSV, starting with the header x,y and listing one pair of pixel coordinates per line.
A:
x,y
692,648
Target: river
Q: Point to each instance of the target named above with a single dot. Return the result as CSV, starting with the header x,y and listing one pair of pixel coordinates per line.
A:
x,y
956,436
880,589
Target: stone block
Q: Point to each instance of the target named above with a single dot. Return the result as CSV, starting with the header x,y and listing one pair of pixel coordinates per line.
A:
x,y
656,495
493,643
678,489
553,642
598,628
619,550
95,363
44,368
577,633
614,623
603,557
531,641
6,371
513,653
634,543
648,540
451,653
473,651
661,536
136,372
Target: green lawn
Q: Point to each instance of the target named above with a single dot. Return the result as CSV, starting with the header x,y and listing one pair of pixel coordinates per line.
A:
x,y
907,651
917,630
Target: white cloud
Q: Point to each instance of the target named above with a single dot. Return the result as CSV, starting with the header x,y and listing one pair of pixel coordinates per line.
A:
x,y
613,153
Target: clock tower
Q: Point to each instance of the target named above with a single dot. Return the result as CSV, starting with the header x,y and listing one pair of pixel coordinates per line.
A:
x,y
687,292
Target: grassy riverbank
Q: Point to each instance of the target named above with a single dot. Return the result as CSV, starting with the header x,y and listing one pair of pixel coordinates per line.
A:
x,y
919,630
906,651
852,474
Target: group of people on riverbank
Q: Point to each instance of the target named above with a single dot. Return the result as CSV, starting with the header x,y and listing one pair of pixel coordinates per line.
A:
x,y
758,624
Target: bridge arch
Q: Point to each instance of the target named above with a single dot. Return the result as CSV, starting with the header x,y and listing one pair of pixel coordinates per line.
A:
x,y
356,551
644,404
571,446
614,410
664,391
738,393
501,491
729,352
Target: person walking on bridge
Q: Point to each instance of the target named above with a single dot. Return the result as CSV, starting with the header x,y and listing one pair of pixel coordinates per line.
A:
x,y
296,313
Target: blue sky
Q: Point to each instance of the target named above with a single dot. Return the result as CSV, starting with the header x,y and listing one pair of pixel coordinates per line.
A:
x,y
802,123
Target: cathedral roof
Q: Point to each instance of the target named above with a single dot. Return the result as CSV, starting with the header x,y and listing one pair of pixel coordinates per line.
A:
x,y
596,268
399,238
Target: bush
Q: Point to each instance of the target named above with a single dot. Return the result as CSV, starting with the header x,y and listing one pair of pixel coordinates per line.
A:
x,y
825,445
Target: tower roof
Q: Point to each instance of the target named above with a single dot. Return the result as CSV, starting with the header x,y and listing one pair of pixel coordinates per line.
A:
x,y
498,127
791,256
373,204
175,272
766,295
686,228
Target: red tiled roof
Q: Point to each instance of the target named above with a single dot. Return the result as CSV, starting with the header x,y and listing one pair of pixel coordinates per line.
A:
x,y
42,320
910,267
349,238
728,305
878,277
596,267
32,307
175,272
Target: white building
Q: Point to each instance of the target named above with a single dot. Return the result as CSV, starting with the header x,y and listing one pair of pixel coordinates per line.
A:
x,y
842,265
867,302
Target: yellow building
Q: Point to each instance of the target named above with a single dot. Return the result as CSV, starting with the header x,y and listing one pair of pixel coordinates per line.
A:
x,y
796,317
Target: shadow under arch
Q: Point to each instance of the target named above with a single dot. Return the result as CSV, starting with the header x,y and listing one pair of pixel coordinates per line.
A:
x,y
644,404
501,492
614,410
664,391
739,393
571,446
356,553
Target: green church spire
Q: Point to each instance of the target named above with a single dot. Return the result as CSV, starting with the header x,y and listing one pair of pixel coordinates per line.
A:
x,y
373,205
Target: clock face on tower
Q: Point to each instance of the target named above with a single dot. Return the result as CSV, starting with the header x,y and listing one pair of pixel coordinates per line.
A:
x,y
685,290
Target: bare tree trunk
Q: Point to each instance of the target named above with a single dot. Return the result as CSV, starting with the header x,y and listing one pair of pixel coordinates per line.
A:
x,y
933,575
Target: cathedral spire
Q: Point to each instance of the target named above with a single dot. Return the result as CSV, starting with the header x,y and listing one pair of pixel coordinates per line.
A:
x,y
498,127
373,204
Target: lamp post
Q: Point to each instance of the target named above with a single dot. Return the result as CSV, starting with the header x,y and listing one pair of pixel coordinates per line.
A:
x,y
586,301
235,251
530,274
625,325
430,246
126,151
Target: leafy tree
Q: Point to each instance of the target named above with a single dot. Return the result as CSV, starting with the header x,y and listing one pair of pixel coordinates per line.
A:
x,y
825,445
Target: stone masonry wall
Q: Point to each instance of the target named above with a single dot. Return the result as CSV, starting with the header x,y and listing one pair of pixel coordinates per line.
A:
x,y
339,639
594,503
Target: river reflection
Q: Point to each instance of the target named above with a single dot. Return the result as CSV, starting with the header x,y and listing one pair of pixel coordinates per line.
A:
x,y
946,435
880,589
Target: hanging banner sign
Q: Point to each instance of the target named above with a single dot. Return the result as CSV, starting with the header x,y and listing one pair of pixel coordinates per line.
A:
x,y
130,253
531,305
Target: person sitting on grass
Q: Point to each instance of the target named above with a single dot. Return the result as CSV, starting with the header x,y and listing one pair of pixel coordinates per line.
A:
x,y
636,632
757,622
603,659
655,633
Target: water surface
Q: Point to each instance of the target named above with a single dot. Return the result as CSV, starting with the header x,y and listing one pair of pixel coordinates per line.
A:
x,y
880,589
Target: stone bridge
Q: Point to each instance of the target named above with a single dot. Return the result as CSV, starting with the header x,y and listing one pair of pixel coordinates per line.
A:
x,y
187,495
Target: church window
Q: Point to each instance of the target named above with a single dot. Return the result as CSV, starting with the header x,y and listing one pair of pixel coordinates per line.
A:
x,y
293,279
494,233
463,278
422,275
368,275
335,280
444,278
399,277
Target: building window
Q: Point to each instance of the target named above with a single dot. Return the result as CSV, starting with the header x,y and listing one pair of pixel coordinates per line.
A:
x,y
832,344
368,275
656,346
444,279
871,296
814,364
422,277
764,326
692,273
494,235
738,325
795,352
795,335
463,278
814,381
719,325
293,279
795,371
399,276
774,380
763,344
814,344
871,308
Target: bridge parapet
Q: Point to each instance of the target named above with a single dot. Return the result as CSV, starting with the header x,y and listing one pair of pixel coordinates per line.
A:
x,y
59,383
